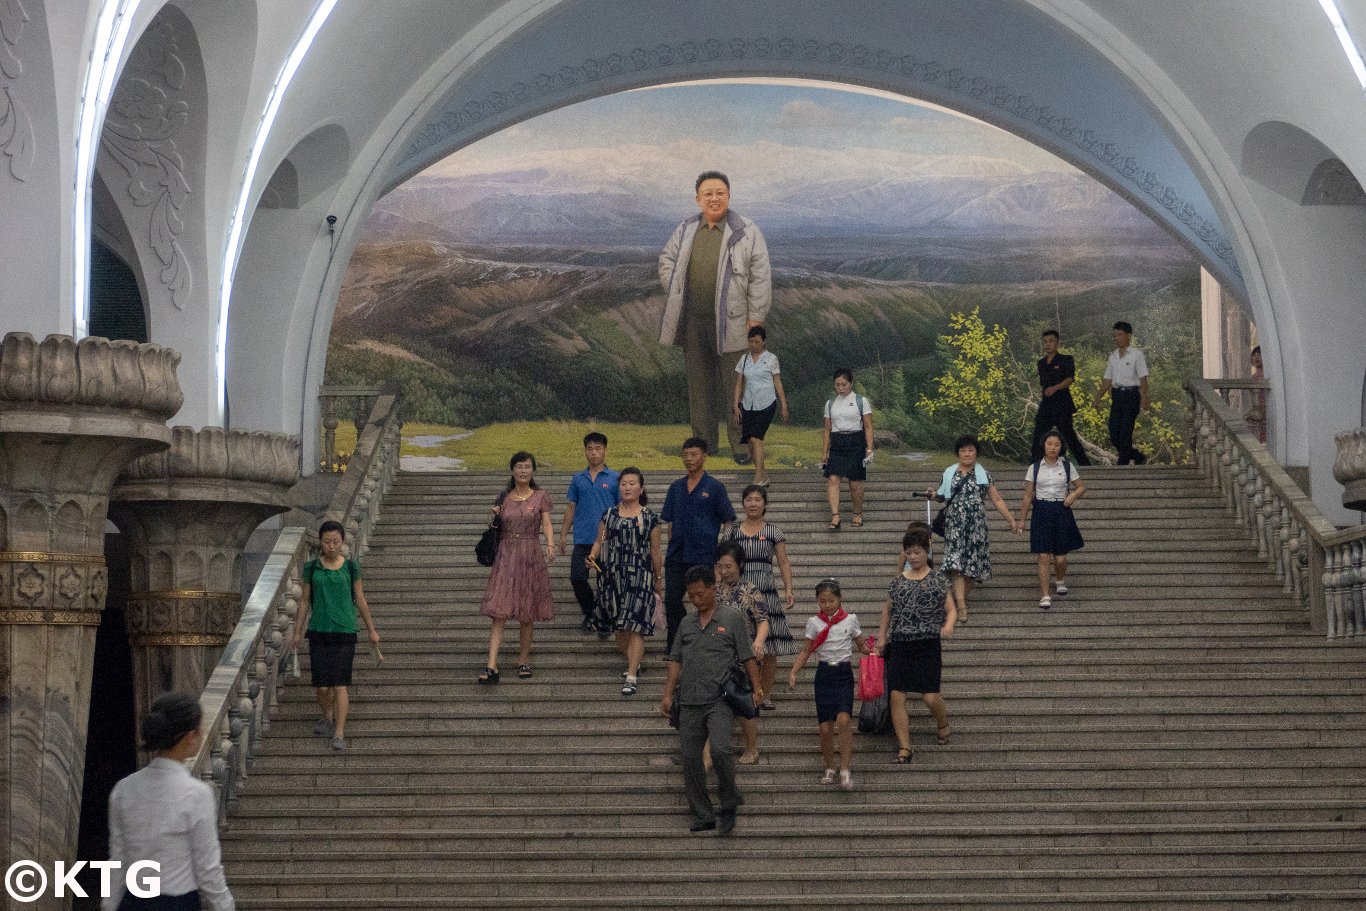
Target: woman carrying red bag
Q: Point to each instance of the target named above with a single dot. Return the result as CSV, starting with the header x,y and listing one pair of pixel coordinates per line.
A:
x,y
832,635
918,613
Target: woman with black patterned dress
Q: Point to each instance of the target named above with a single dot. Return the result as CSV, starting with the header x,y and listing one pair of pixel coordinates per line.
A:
x,y
918,614
763,545
734,590
631,572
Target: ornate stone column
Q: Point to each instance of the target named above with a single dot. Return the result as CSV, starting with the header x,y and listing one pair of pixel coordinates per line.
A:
x,y
71,416
1349,468
188,513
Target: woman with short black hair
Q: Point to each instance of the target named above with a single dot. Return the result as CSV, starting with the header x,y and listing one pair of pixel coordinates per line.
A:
x,y
965,488
165,815
919,612
333,600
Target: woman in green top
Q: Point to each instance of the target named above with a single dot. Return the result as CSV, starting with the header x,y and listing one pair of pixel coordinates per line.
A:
x,y
332,597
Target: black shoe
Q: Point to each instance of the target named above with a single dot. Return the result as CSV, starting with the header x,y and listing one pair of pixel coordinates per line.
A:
x,y
1140,458
710,824
741,457
586,626
727,822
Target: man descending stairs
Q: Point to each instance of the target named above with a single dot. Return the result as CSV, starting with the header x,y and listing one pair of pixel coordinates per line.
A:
x,y
1169,737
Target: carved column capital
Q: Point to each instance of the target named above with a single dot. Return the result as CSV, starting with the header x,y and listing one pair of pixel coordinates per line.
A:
x,y
188,513
1349,468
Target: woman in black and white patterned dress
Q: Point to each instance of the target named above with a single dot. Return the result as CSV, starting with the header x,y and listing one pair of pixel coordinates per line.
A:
x,y
763,544
631,572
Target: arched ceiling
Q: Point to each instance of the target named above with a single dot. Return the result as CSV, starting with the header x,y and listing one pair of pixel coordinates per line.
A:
x,y
998,60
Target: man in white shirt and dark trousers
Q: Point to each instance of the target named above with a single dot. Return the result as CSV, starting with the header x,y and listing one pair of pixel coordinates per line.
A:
x,y
1126,379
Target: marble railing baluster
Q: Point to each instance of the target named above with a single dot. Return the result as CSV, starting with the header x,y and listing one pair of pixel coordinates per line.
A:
x,y
1319,566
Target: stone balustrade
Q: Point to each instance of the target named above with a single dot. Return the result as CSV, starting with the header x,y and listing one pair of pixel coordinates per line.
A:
x,y
243,688
335,402
1320,566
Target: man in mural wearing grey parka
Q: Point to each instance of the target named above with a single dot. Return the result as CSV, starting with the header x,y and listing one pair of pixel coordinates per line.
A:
x,y
718,284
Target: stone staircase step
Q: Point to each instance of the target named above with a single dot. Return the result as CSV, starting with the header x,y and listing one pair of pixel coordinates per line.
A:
x,y
1171,736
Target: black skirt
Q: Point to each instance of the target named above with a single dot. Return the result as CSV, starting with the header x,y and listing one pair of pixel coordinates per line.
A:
x,y
330,656
846,456
914,665
1053,529
754,424
834,691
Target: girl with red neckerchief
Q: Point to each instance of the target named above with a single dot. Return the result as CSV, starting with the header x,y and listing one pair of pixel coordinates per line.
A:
x,y
832,635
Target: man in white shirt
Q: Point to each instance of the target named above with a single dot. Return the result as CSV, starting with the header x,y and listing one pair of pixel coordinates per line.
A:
x,y
1126,379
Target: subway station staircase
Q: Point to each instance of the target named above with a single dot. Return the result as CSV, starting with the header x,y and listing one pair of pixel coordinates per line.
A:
x,y
1171,737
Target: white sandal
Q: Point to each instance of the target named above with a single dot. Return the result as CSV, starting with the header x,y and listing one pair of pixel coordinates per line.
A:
x,y
1062,589
1045,603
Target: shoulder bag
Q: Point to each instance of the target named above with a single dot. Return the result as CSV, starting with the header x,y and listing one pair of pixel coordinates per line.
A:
x,y
937,524
739,692
486,550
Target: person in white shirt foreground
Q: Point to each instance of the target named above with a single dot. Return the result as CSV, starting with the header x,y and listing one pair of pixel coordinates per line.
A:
x,y
832,635
164,814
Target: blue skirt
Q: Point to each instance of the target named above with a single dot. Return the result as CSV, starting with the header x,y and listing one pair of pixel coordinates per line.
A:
x,y
1053,529
834,691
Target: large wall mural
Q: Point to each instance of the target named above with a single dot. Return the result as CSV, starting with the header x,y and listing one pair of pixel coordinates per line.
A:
x,y
516,279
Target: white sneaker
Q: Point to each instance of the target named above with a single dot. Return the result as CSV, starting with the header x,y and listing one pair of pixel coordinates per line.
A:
x,y
846,780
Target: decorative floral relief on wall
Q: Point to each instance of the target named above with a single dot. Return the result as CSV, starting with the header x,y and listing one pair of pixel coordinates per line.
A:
x,y
16,129
146,115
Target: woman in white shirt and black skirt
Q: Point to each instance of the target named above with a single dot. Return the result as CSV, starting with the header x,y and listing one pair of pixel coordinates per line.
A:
x,y
847,446
164,814
1052,485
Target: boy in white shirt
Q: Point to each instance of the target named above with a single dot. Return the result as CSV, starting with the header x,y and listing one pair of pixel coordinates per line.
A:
x,y
832,635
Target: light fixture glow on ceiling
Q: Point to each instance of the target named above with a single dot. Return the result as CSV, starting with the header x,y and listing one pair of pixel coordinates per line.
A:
x,y
233,247
111,34
1330,7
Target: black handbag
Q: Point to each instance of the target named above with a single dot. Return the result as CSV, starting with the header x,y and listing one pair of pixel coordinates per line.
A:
x,y
937,523
739,692
486,551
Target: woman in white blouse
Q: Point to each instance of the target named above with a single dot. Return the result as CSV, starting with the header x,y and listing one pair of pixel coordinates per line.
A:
x,y
847,445
1052,485
164,814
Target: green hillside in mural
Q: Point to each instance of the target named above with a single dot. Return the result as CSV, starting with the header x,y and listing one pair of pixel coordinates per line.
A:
x,y
516,281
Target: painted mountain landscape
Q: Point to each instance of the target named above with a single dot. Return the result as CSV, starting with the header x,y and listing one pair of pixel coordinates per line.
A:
x,y
516,280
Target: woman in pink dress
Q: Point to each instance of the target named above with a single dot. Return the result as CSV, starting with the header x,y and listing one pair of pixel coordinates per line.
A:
x,y
519,583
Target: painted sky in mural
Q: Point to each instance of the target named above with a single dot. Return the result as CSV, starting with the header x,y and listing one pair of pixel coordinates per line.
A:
x,y
804,158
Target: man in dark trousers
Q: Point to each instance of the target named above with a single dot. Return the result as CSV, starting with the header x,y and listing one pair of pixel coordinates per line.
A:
x,y
710,642
1126,379
696,508
1056,375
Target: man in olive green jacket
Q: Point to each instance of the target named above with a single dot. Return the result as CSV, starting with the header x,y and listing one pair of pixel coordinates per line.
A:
x,y
719,285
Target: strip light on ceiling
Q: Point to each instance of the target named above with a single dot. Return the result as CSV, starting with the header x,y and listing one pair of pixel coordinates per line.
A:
x,y
233,248
1330,7
111,34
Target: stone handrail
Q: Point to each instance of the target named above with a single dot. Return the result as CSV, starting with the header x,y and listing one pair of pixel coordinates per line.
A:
x,y
332,401
1320,566
244,687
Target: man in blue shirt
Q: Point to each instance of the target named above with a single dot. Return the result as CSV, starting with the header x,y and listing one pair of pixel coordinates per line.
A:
x,y
592,492
696,509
